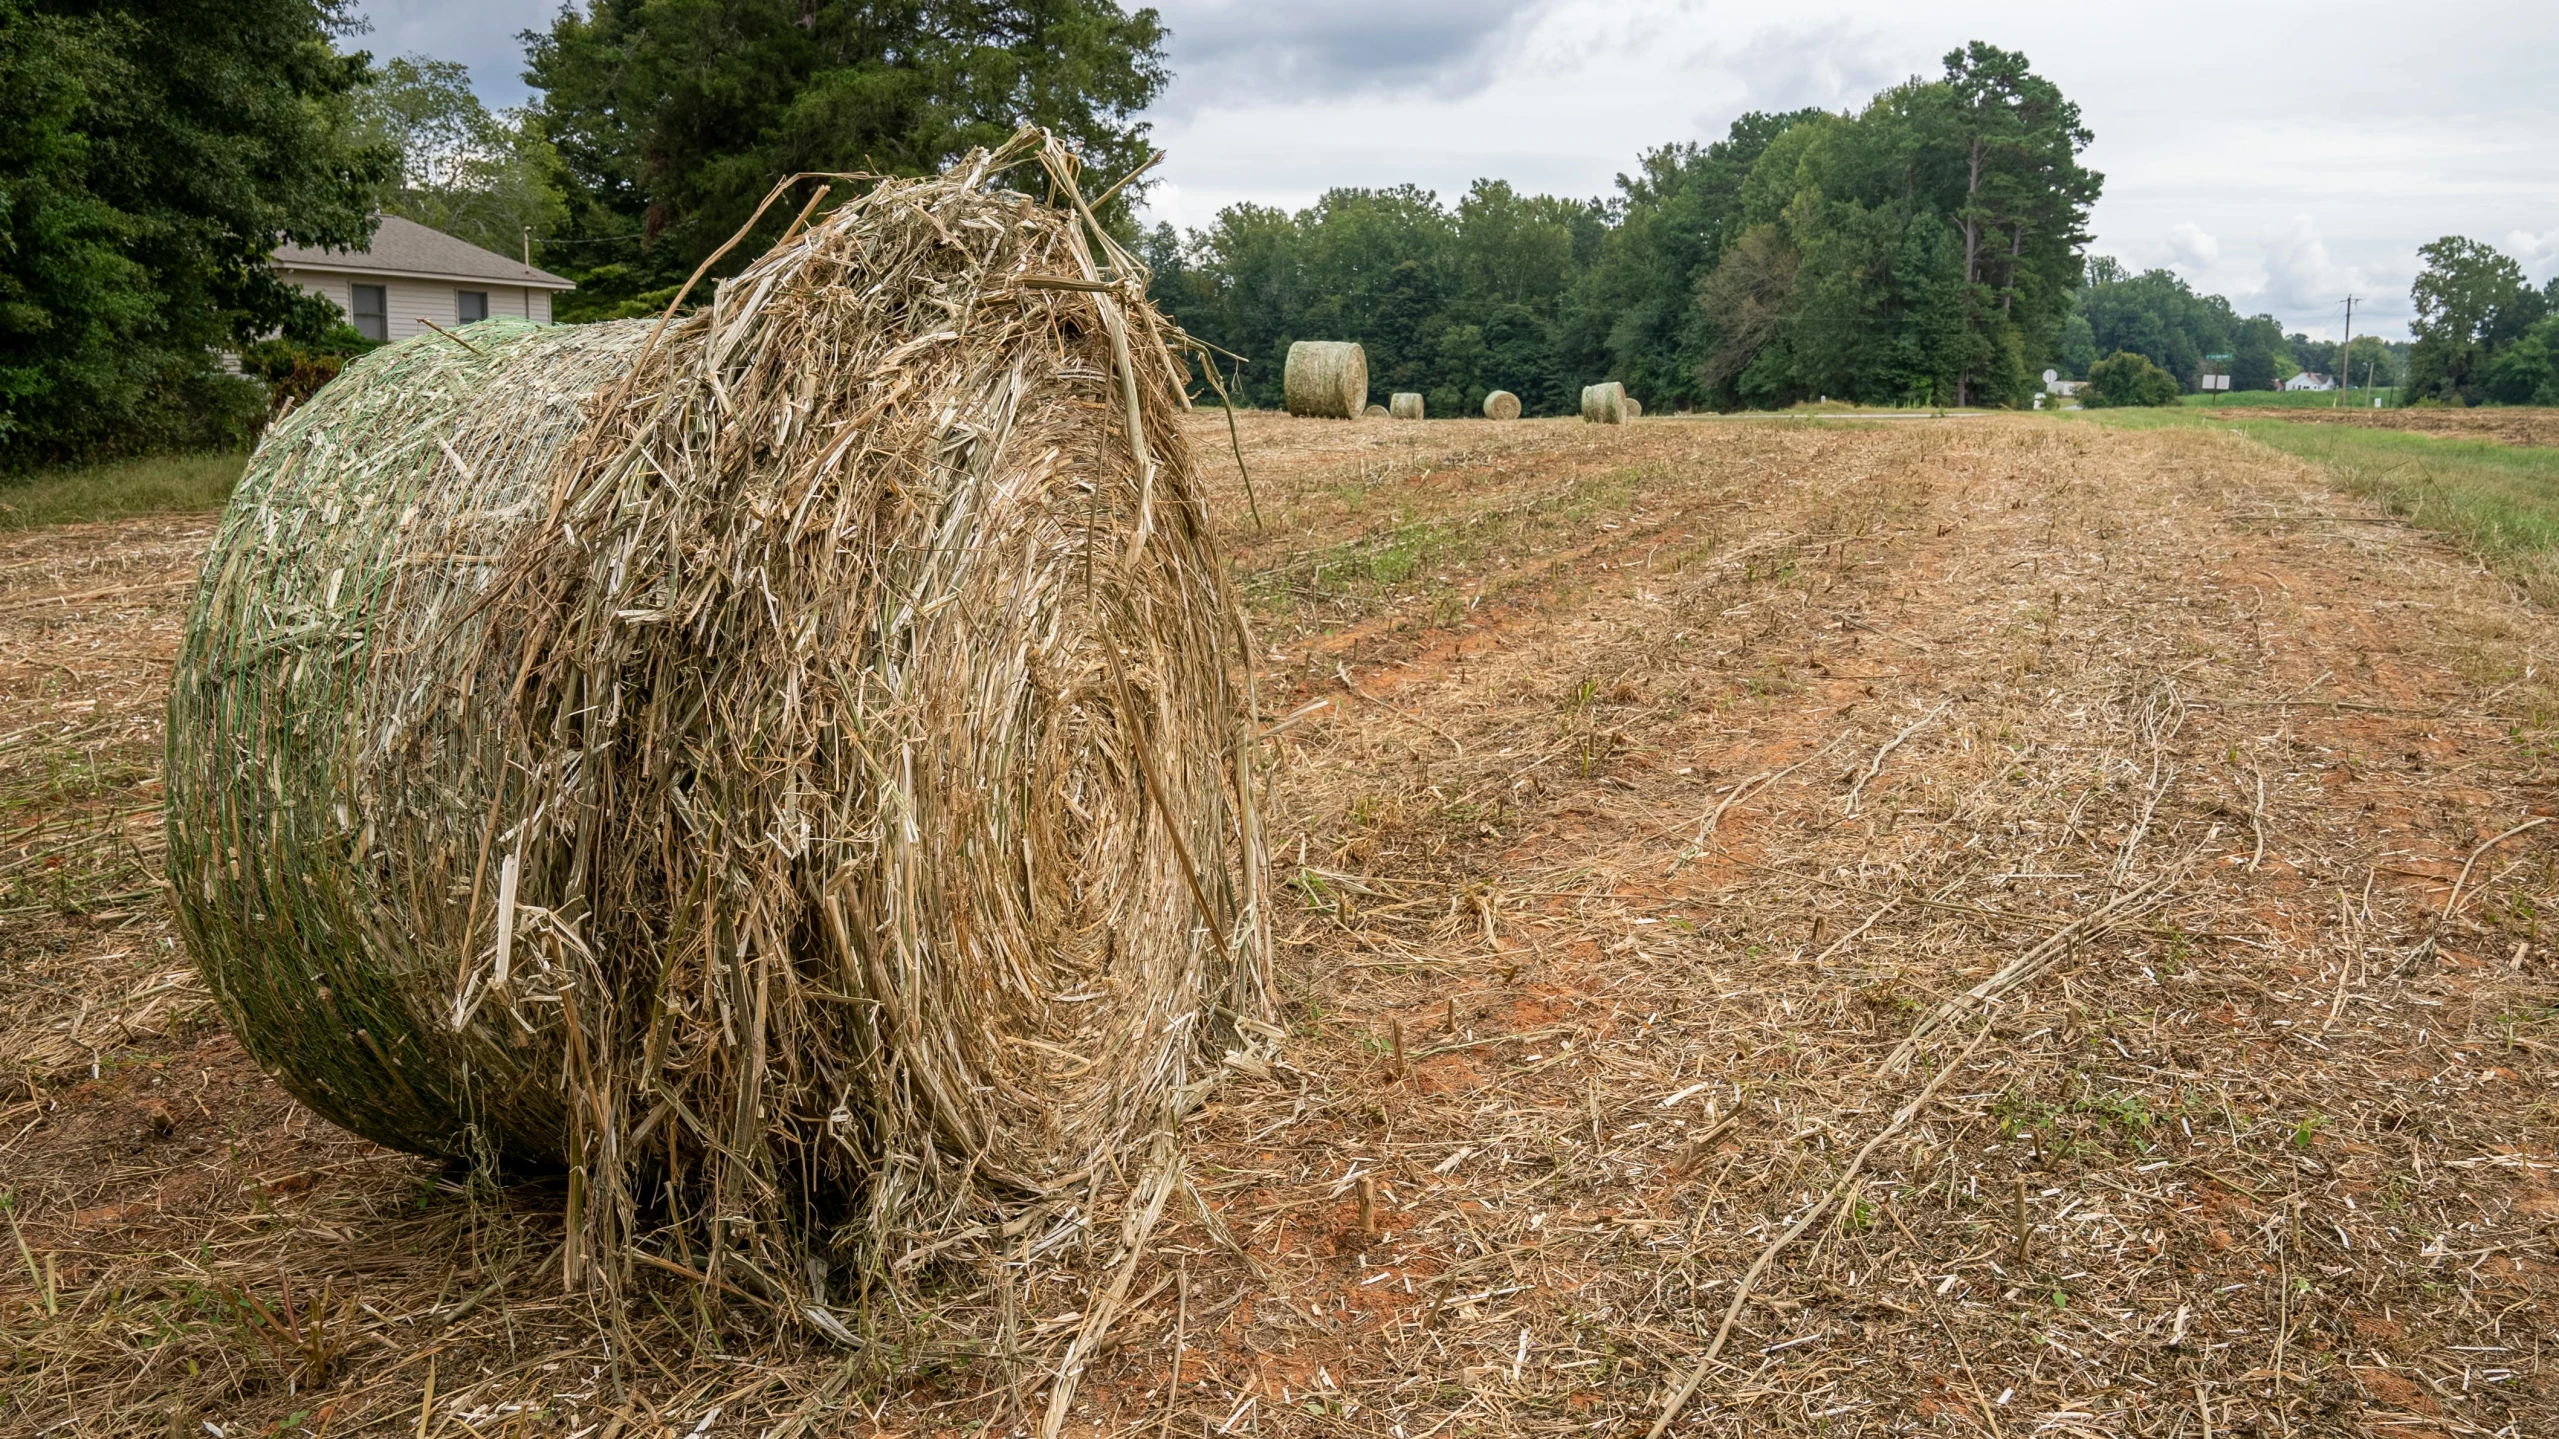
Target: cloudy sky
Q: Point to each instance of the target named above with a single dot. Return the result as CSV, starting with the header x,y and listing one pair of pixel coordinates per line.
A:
x,y
2283,155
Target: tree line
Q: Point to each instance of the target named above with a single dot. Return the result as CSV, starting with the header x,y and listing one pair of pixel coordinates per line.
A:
x,y
2155,314
1922,250
1927,248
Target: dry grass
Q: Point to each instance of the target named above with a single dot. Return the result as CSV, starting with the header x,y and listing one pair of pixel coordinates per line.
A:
x,y
2525,425
1642,792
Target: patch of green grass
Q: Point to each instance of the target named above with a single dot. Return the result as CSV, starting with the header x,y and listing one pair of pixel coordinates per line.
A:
x,y
2498,500
165,484
2357,398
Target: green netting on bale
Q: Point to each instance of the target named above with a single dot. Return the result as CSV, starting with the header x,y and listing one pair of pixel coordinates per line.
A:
x,y
789,767
332,776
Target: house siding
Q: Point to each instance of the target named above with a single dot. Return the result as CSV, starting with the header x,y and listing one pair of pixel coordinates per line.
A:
x,y
412,303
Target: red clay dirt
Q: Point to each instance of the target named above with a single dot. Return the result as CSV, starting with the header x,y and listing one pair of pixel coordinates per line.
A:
x,y
2281,1132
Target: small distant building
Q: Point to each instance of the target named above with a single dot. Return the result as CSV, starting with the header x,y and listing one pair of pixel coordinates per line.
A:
x,y
411,274
2310,380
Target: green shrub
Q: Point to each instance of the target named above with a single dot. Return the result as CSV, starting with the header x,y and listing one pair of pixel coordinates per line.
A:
x,y
172,404
294,369
2526,370
2125,379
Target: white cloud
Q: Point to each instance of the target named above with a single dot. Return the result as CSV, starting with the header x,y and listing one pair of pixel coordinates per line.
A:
x,y
2301,277
1827,67
2538,254
2194,247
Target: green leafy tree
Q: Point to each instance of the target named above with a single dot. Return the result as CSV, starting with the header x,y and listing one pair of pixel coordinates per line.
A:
x,y
1451,304
2374,361
2525,370
2256,354
2470,301
1632,313
2127,379
1935,240
1750,294
1511,248
673,118
2078,344
2156,315
1924,249
482,177
1241,286
151,157
2025,194
1519,356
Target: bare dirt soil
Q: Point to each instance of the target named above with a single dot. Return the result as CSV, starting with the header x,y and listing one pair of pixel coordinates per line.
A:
x,y
1975,927
2523,426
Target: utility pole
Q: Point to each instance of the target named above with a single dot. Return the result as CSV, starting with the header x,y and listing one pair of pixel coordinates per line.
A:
x,y
2345,356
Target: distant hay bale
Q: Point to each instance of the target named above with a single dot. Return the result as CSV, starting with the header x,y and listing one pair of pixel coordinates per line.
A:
x,y
792,772
1634,408
1604,404
1326,379
1405,406
1501,405
1373,412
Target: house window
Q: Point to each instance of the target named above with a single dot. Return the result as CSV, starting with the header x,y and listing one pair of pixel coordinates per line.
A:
x,y
469,305
372,312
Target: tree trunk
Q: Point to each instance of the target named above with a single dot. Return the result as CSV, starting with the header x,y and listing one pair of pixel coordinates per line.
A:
x,y
1972,218
1972,255
2016,247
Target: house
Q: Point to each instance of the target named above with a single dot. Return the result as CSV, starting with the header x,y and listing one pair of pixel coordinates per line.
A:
x,y
410,275
2310,380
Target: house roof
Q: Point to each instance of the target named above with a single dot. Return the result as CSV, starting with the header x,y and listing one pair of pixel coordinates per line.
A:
x,y
407,250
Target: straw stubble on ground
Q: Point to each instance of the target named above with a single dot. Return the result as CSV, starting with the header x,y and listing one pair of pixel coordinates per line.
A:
x,y
2515,425
1639,794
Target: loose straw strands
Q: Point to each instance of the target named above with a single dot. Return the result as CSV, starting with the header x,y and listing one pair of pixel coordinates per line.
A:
x,y
788,764
1875,766
2035,961
1848,1178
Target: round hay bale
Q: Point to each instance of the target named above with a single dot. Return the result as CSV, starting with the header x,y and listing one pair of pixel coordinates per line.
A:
x,y
1326,379
789,767
1406,406
1373,412
1604,404
1634,408
1501,405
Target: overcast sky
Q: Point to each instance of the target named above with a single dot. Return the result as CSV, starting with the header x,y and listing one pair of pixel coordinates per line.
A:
x,y
2283,155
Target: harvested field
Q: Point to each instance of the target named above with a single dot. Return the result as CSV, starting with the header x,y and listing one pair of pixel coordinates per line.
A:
x,y
2513,426
1642,793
